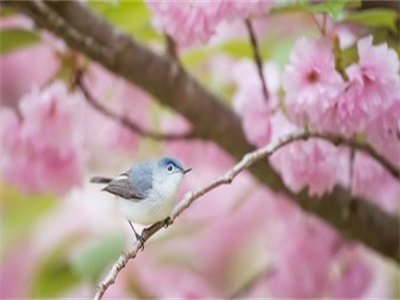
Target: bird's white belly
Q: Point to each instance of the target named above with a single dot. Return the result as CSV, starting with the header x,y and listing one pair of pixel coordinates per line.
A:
x,y
148,211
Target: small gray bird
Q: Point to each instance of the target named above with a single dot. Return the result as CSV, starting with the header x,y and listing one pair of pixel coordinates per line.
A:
x,y
147,192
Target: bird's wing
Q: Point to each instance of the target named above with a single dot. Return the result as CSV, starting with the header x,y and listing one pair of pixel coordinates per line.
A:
x,y
122,187
100,179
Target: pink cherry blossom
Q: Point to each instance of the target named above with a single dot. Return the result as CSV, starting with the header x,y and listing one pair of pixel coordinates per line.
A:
x,y
192,22
15,81
256,117
373,86
353,275
250,103
302,263
375,184
43,152
15,271
310,80
314,163
173,282
383,133
125,100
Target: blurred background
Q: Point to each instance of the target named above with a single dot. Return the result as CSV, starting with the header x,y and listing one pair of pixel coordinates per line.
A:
x,y
60,234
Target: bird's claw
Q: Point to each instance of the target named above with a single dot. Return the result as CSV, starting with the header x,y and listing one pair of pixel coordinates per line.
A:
x,y
141,240
168,221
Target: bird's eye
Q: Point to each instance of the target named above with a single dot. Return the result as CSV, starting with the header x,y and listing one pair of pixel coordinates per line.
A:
x,y
170,168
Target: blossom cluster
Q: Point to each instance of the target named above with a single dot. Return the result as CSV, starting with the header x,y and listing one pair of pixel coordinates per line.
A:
x,y
42,148
191,22
318,97
50,135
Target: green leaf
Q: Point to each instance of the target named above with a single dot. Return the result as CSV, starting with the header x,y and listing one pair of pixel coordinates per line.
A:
x,y
133,17
237,48
332,7
96,255
54,275
20,212
377,17
348,57
12,39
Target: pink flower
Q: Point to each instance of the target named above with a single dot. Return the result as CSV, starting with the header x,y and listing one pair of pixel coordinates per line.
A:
x,y
249,101
374,183
192,22
18,80
43,153
354,274
126,100
302,262
314,163
373,86
15,79
175,282
256,117
310,81
383,133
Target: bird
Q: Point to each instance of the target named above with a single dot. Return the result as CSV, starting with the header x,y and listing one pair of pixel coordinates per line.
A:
x,y
147,192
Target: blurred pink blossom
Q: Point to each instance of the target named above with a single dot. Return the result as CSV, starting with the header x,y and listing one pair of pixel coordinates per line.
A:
x,y
174,282
249,224
315,163
15,271
16,79
18,71
250,103
42,153
124,99
314,262
302,262
374,183
310,80
192,22
354,274
383,133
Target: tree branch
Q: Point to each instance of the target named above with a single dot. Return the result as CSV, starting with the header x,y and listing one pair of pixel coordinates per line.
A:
x,y
87,32
227,178
364,147
124,121
257,57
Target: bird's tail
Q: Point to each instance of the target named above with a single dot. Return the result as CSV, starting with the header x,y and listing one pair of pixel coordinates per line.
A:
x,y
99,179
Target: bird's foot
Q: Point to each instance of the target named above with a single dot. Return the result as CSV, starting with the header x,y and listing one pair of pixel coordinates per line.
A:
x,y
168,221
141,240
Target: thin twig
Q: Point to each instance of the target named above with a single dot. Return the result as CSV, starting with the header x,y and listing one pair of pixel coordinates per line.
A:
x,y
189,197
317,24
124,121
123,55
171,48
364,147
257,57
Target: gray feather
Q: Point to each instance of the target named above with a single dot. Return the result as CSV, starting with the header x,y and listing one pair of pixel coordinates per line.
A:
x,y
99,179
121,187
134,184
141,176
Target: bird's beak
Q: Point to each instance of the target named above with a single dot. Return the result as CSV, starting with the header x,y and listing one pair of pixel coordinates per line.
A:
x,y
187,170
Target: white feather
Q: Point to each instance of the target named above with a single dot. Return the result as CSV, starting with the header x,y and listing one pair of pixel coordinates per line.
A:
x,y
159,203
